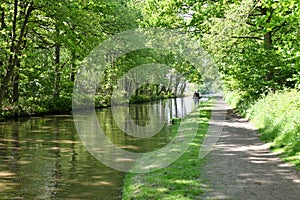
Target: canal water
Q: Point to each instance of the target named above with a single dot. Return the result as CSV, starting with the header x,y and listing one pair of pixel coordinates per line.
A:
x,y
43,157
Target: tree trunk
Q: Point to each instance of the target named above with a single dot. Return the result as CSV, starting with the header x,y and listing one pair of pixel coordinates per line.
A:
x,y
15,84
157,86
182,89
73,71
15,47
170,89
137,89
11,59
56,71
177,82
268,40
268,35
3,25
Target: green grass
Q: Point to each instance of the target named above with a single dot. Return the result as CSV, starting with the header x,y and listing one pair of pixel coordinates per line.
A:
x,y
180,180
277,116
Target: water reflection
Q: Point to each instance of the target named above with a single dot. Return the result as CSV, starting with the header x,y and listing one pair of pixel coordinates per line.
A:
x,y
43,158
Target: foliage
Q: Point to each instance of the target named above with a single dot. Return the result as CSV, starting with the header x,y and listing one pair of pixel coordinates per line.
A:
x,y
145,98
43,43
166,13
277,117
255,44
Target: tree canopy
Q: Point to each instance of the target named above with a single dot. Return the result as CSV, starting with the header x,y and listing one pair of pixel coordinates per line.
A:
x,y
254,44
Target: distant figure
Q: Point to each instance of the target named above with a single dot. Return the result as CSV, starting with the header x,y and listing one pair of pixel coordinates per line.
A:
x,y
197,95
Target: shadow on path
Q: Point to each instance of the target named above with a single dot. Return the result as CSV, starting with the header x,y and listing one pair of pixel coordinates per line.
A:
x,y
242,167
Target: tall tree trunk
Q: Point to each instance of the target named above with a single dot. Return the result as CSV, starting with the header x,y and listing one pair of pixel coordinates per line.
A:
x,y
137,89
3,25
170,89
268,40
157,86
15,84
182,88
11,59
177,82
56,71
15,47
267,35
73,71
268,46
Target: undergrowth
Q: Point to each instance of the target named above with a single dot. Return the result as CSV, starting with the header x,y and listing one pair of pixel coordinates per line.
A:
x,y
277,117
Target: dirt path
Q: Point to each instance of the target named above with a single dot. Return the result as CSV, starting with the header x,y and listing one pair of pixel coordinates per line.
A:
x,y
242,167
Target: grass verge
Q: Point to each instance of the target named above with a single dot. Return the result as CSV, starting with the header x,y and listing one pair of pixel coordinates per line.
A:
x,y
277,117
180,180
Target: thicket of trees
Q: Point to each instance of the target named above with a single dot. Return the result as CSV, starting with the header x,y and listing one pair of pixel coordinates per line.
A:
x,y
256,46
43,42
254,43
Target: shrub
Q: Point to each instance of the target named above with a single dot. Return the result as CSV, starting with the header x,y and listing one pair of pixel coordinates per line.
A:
x,y
277,116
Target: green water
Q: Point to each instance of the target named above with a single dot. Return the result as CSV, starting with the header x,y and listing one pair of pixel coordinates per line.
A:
x,y
43,157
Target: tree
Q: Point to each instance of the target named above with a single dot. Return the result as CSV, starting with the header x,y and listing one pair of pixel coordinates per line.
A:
x,y
254,43
44,42
14,41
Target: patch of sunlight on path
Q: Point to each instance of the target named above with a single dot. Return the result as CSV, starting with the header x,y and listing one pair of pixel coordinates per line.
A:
x,y
242,167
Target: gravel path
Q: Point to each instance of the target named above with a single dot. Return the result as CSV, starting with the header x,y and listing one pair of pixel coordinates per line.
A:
x,y
242,167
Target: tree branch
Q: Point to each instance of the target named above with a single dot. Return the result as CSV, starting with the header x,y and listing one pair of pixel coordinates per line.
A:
x,y
249,23
25,22
277,28
247,37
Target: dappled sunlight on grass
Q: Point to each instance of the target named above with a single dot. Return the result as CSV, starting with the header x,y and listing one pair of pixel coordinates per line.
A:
x,y
295,159
277,117
180,180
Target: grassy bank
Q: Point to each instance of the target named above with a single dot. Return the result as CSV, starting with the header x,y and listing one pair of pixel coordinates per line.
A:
x,y
36,107
62,105
277,116
180,180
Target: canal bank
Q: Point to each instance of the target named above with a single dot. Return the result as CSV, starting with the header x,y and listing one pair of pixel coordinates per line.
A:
x,y
180,180
239,167
43,157
42,109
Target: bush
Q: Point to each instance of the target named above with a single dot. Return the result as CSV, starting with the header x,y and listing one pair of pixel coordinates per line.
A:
x,y
277,116
241,101
61,104
36,105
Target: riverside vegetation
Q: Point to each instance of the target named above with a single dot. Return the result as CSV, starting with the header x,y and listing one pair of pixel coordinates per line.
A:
x,y
180,180
277,118
254,44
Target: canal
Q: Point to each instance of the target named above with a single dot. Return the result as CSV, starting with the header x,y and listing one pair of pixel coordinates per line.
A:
x,y
43,157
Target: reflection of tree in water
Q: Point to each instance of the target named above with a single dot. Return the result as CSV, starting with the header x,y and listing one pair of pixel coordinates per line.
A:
x,y
177,108
140,114
43,157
